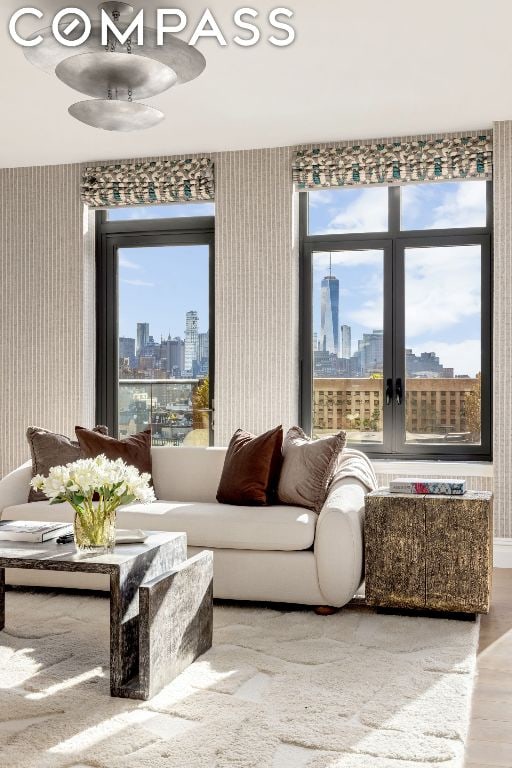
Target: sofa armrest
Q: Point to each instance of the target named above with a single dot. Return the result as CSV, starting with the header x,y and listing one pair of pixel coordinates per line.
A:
x,y
15,486
339,542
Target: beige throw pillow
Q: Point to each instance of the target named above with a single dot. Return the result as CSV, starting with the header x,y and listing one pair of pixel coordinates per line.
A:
x,y
308,468
50,449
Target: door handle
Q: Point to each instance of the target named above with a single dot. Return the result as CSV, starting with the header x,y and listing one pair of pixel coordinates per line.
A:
x,y
389,391
399,393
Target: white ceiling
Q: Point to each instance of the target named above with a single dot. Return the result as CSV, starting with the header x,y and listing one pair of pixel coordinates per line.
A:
x,y
358,69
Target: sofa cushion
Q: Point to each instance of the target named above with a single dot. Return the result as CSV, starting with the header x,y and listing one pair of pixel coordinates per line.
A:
x,y
134,450
251,469
308,468
50,449
207,524
188,473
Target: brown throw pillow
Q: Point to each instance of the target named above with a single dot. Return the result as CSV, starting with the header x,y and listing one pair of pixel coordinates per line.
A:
x,y
308,468
134,450
49,449
251,468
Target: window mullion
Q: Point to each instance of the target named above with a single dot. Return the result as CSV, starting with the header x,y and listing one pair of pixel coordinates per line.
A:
x,y
388,372
394,209
398,346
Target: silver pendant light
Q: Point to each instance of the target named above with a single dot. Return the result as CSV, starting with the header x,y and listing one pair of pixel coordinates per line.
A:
x,y
117,75
116,115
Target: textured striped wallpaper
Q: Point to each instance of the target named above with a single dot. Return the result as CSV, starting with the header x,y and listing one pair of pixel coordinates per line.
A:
x,y
256,382
46,304
502,334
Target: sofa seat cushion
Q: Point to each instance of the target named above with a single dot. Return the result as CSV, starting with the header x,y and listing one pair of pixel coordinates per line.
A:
x,y
207,524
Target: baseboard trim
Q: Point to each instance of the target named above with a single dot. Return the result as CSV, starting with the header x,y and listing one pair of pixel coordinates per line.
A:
x,y
502,553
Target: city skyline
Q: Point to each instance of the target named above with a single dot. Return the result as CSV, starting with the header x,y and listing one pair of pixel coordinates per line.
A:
x,y
168,357
453,335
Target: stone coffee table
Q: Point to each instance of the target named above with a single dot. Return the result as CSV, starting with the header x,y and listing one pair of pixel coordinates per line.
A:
x,y
161,613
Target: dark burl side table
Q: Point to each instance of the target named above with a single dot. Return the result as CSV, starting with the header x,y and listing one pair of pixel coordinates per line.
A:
x,y
429,552
161,604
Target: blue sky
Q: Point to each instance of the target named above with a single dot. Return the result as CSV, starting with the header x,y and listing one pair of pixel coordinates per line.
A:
x,y
442,284
176,210
160,285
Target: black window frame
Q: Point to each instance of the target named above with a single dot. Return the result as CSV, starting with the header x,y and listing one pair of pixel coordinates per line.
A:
x,y
133,233
393,242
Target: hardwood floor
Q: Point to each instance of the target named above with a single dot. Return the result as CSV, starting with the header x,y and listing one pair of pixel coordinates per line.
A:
x,y
490,736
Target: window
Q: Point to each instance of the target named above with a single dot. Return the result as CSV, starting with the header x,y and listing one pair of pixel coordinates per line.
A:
x,y
155,322
396,310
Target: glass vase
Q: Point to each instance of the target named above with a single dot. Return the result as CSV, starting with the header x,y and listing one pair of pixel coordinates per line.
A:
x,y
95,531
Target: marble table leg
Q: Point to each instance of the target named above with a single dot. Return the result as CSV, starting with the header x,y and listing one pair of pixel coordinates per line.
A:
x,y
124,611
2,598
176,622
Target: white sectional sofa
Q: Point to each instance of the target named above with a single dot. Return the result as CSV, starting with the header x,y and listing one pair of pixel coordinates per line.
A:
x,y
278,553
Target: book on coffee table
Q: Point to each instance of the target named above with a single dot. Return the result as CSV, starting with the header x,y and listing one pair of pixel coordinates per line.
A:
x,y
32,531
423,486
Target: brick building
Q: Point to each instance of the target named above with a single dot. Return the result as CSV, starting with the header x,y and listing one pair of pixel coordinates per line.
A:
x,y
433,406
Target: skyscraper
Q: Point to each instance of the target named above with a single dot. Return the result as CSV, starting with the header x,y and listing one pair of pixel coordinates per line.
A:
x,y
371,349
191,340
330,310
142,337
346,342
175,355
126,348
204,347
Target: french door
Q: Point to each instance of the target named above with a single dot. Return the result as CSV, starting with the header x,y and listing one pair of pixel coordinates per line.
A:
x,y
375,343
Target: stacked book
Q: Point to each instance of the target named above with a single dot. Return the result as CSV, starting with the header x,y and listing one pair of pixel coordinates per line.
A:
x,y
423,486
31,531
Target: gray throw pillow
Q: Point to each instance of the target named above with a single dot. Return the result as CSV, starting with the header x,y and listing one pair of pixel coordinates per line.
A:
x,y
49,449
308,468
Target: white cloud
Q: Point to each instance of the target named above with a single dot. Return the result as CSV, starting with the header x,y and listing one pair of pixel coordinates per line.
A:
x,y
463,356
127,264
320,198
449,204
367,213
141,283
465,208
442,288
370,314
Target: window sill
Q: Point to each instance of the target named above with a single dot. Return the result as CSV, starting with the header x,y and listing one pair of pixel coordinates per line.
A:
x,y
442,468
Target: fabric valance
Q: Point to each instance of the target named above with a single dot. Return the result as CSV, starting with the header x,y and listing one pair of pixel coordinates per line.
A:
x,y
158,182
397,162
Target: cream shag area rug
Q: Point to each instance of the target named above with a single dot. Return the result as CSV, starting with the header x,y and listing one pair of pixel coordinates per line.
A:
x,y
278,690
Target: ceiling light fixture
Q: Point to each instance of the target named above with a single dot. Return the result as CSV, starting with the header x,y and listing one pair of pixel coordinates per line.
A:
x,y
117,74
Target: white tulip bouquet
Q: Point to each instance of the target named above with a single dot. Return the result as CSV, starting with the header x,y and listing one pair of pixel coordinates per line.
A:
x,y
112,482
